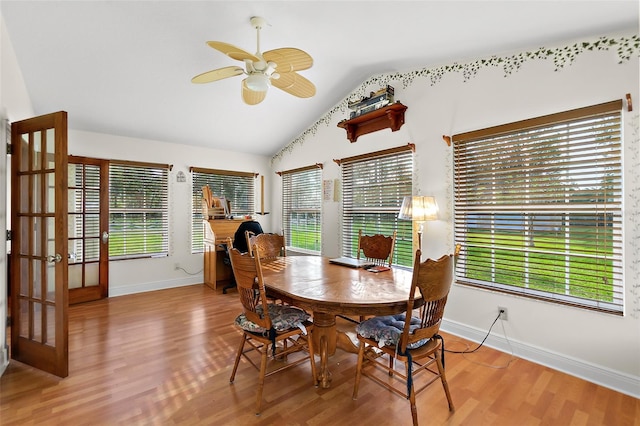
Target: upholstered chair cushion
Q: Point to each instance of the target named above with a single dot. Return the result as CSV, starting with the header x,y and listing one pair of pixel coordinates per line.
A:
x,y
386,330
283,317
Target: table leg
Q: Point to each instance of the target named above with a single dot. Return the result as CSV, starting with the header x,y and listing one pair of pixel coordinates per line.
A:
x,y
324,337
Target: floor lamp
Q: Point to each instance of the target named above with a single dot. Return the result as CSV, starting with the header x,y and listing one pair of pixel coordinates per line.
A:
x,y
419,208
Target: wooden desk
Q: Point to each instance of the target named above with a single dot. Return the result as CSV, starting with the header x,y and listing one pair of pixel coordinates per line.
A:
x,y
216,232
315,284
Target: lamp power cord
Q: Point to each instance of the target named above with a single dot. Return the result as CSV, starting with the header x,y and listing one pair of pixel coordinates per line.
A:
x,y
469,351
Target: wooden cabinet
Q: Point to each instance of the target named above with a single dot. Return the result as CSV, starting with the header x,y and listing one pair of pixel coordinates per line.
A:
x,y
391,116
216,232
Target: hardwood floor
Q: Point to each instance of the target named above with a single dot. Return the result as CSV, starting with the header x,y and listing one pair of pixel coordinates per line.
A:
x,y
164,358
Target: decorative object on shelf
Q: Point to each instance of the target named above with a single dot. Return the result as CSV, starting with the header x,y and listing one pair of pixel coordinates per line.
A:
x,y
390,116
419,208
276,67
376,100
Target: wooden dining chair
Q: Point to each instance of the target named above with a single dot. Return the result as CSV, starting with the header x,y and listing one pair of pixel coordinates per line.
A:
x,y
376,248
273,331
270,245
413,340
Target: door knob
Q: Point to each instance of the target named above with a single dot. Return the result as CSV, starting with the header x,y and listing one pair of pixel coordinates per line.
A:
x,y
105,237
57,258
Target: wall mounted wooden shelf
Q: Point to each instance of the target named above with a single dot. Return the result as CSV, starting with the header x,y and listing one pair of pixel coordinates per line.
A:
x,y
391,116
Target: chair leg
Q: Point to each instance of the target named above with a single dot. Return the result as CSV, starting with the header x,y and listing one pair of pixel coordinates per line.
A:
x,y
412,398
264,351
358,369
392,361
443,378
238,355
312,355
284,349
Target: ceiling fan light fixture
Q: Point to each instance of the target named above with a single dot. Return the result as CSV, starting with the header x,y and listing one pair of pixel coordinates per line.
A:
x,y
260,69
258,82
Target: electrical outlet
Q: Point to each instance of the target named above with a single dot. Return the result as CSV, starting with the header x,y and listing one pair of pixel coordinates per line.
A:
x,y
176,266
502,311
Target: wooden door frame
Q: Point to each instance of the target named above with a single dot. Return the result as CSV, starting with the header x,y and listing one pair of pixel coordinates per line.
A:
x,y
101,291
50,358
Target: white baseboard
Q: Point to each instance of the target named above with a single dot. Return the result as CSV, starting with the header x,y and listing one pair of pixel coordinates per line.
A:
x,y
151,286
608,378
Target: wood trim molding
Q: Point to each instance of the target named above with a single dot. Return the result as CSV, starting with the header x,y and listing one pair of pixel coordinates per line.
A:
x,y
301,169
408,147
222,172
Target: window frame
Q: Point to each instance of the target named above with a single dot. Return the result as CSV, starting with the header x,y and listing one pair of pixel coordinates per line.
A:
x,y
226,177
307,180
145,173
371,201
562,185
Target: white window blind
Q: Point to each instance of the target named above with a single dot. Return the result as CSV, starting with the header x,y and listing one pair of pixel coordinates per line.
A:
x,y
302,208
237,187
538,207
373,187
84,211
138,210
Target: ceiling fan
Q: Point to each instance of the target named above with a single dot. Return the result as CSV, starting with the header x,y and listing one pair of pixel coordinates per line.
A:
x,y
276,67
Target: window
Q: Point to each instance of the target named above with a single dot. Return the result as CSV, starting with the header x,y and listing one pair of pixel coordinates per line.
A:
x,y
138,210
302,208
237,187
538,207
373,187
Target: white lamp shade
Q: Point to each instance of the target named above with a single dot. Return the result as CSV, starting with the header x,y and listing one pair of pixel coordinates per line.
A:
x,y
418,208
258,82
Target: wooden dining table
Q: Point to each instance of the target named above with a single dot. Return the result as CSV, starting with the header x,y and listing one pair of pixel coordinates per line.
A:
x,y
327,290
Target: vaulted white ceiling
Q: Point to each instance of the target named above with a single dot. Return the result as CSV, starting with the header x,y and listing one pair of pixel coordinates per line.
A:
x,y
124,67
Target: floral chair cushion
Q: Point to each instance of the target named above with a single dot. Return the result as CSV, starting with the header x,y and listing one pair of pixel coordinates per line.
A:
x,y
283,317
386,330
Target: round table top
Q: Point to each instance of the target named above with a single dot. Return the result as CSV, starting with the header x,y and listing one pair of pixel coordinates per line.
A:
x,y
313,283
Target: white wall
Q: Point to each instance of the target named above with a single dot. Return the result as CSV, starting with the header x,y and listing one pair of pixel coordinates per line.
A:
x,y
14,105
599,347
132,276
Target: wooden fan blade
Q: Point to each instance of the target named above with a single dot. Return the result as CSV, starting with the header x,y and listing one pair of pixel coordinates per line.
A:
x,y
232,51
289,59
295,84
252,97
219,74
